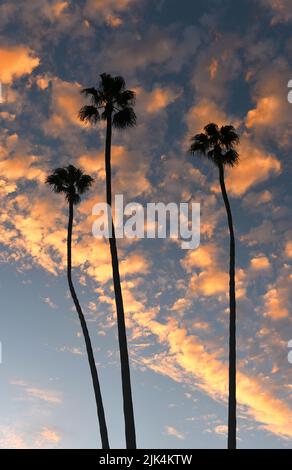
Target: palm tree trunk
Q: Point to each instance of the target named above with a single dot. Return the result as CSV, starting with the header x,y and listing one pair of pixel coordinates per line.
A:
x,y
94,375
124,356
232,324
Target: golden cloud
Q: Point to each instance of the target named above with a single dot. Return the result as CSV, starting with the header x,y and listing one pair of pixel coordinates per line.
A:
x,y
156,100
255,166
191,359
16,61
275,305
260,263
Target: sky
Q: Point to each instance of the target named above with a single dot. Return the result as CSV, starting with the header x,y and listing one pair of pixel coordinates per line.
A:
x,y
190,63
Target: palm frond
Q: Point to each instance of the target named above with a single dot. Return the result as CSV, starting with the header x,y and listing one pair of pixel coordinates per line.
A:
x,y
118,84
200,143
126,98
228,136
89,114
95,95
230,158
212,131
106,82
125,118
84,183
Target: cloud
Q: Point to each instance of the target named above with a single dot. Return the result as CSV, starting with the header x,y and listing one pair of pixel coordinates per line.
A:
x,y
172,431
11,439
50,435
190,356
277,299
255,166
264,233
213,68
109,11
128,166
260,263
49,302
270,119
268,111
209,273
16,61
19,437
288,249
130,52
66,102
54,11
210,282
106,7
202,113
155,100
19,167
281,10
50,396
221,429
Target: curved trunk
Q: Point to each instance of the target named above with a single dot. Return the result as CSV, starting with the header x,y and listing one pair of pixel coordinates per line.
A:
x,y
232,324
124,356
95,381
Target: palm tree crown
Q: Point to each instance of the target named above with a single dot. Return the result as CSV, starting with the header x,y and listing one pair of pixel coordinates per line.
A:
x,y
111,99
217,144
71,181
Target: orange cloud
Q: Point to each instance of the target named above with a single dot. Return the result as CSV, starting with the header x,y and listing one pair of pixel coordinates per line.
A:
x,y
256,165
203,257
288,249
129,166
190,358
202,113
213,68
107,9
268,111
210,282
260,263
66,102
275,305
156,100
114,21
22,167
55,10
16,61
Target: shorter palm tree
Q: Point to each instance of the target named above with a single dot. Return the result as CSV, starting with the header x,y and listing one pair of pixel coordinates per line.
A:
x,y
72,182
219,146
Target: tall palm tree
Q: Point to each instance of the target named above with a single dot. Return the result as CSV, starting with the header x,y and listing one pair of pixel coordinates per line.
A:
x,y
218,145
72,182
113,103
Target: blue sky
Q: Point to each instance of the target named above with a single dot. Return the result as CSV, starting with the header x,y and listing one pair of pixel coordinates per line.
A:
x,y
190,63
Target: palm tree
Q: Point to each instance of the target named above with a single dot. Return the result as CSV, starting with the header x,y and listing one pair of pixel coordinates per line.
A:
x,y
218,145
73,183
113,103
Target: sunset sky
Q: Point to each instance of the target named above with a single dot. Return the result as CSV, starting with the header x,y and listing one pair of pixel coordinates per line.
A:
x,y
190,63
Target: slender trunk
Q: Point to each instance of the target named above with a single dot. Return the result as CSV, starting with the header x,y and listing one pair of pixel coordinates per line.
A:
x,y
95,381
232,324
124,356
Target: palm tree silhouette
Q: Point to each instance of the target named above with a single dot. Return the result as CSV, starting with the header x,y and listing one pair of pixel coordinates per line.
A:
x,y
113,103
73,183
218,145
